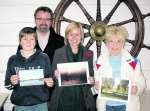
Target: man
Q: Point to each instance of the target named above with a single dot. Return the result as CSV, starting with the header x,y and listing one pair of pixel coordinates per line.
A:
x,y
48,40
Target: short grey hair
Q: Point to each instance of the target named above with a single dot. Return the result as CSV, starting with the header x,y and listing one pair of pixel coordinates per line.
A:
x,y
117,31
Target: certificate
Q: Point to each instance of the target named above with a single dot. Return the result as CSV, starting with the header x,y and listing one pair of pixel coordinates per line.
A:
x,y
75,73
115,89
31,77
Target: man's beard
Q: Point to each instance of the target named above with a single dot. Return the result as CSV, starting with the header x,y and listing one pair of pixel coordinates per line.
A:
x,y
43,28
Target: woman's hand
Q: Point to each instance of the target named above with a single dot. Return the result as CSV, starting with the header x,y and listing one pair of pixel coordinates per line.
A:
x,y
97,86
134,89
14,79
49,82
91,80
56,73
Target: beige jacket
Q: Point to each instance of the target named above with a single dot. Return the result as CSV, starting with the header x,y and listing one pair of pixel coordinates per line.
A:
x,y
129,70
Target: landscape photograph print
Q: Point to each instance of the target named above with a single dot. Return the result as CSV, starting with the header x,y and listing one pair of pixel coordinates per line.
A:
x,y
75,73
115,89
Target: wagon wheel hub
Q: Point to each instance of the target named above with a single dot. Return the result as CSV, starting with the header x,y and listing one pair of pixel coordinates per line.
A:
x,y
98,30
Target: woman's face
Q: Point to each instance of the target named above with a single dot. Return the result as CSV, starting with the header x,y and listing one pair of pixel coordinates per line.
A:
x,y
115,45
74,37
28,42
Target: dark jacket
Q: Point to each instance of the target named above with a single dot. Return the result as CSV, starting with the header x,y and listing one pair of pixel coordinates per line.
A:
x,y
60,57
28,95
55,41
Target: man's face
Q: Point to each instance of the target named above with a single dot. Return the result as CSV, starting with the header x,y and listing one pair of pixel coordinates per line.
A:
x,y
43,21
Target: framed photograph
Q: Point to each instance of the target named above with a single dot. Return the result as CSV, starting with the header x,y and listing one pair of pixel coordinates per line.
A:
x,y
115,89
31,77
75,73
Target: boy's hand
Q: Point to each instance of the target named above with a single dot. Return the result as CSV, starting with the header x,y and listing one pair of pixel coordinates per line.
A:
x,y
14,79
49,82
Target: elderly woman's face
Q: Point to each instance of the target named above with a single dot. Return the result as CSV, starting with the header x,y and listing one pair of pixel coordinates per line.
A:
x,y
74,37
115,45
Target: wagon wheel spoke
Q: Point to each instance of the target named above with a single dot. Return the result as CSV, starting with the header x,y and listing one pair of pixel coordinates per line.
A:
x,y
145,15
89,18
134,19
98,14
130,41
133,42
98,44
87,34
86,26
123,22
90,42
145,46
108,17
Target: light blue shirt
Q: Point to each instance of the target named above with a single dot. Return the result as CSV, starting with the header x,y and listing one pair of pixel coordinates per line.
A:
x,y
115,62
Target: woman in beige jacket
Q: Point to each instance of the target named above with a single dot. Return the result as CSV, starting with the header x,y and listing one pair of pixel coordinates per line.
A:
x,y
116,62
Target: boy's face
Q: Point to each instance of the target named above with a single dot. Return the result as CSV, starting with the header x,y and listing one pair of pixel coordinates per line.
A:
x,y
28,42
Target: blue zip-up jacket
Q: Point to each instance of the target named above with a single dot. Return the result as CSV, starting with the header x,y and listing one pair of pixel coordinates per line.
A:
x,y
28,95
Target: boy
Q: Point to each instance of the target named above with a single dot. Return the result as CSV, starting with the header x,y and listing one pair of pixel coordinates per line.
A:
x,y
29,97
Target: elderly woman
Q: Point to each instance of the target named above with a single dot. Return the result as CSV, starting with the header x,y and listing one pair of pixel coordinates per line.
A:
x,y
117,63
76,97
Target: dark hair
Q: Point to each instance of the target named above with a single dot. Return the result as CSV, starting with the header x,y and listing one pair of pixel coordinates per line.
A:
x,y
44,9
27,30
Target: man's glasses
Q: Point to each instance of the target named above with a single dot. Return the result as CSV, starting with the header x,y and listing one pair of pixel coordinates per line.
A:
x,y
44,19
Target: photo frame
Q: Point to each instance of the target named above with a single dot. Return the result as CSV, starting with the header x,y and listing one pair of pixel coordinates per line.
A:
x,y
31,77
115,89
75,73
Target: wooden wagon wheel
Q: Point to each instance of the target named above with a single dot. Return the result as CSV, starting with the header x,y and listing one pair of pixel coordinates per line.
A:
x,y
96,28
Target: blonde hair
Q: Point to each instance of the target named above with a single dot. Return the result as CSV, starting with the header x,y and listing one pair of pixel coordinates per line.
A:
x,y
71,27
117,31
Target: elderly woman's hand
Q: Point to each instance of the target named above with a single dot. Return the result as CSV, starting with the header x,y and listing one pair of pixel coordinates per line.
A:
x,y
134,89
